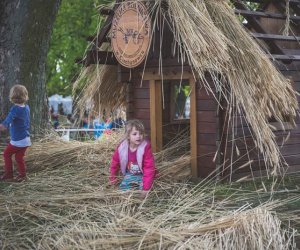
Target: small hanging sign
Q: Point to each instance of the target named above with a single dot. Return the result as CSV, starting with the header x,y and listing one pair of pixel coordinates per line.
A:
x,y
131,33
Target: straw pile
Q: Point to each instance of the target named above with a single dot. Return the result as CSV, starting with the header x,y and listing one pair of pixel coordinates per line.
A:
x,y
67,204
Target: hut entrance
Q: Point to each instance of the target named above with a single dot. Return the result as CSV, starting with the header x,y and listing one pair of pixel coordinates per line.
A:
x,y
173,110
176,110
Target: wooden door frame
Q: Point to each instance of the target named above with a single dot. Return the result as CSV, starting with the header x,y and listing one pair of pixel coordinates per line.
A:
x,y
193,128
155,85
156,114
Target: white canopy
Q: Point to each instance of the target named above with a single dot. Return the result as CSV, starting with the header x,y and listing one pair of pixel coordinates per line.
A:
x,y
67,103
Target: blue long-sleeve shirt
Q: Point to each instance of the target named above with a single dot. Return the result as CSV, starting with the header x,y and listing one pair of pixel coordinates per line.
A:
x,y
18,122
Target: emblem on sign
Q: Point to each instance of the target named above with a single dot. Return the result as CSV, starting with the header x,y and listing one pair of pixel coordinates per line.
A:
x,y
130,33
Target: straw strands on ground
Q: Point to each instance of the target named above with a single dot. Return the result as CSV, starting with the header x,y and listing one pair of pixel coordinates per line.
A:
x,y
68,204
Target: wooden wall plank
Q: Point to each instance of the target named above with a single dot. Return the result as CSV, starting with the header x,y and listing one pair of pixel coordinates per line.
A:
x,y
142,103
142,114
206,116
206,105
207,127
158,110
206,139
168,75
193,128
129,101
156,115
207,172
140,93
259,164
141,85
206,150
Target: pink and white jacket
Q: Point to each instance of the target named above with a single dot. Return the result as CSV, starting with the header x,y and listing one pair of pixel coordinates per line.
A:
x,y
145,161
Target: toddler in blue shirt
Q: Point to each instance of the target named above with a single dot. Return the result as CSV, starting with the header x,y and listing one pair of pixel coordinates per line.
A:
x,y
18,122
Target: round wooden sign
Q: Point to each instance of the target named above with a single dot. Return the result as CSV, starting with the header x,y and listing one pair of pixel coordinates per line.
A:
x,y
131,33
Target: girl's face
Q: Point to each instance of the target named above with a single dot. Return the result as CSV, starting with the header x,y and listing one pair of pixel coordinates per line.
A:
x,y
135,137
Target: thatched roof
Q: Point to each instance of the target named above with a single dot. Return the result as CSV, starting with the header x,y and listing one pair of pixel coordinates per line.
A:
x,y
99,85
209,34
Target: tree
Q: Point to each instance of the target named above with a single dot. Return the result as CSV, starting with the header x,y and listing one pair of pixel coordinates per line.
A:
x,y
25,31
76,20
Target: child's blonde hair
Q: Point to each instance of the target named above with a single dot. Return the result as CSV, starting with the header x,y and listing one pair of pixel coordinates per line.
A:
x,y
139,126
18,94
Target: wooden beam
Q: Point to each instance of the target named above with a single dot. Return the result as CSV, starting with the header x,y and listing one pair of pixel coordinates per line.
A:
x,y
257,1
193,128
94,37
285,57
98,57
156,115
251,13
169,75
106,27
295,2
101,57
104,11
269,1
275,37
296,8
255,24
164,62
129,101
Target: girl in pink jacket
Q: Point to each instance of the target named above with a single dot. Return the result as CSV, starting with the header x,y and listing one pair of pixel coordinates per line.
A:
x,y
134,158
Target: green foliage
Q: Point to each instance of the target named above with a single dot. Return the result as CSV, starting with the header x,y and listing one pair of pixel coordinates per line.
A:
x,y
76,20
252,6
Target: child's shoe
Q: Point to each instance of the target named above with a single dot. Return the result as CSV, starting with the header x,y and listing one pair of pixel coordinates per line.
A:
x,y
20,178
6,177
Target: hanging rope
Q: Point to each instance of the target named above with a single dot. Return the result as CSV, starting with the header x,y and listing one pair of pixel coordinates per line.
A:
x,y
287,20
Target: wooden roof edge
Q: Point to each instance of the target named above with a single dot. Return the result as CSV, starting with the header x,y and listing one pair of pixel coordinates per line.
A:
x,y
93,38
270,1
275,37
289,58
97,57
264,14
256,25
105,11
106,27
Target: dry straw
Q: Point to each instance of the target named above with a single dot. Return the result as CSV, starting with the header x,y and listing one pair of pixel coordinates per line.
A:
x,y
68,204
99,90
212,39
257,88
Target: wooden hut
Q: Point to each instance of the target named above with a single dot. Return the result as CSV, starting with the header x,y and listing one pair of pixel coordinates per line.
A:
x,y
164,92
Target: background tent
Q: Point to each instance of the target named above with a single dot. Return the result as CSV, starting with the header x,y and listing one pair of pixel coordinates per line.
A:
x,y
66,102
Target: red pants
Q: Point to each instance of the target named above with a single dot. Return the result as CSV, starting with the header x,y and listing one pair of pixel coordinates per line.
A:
x,y
19,156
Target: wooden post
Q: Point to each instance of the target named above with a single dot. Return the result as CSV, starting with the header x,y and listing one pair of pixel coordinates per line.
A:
x,y
156,115
193,128
129,101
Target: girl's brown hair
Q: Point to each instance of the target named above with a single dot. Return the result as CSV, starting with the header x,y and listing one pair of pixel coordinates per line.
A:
x,y
139,126
18,94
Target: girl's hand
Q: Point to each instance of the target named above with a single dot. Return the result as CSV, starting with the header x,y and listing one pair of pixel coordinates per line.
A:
x,y
2,127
